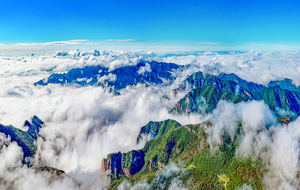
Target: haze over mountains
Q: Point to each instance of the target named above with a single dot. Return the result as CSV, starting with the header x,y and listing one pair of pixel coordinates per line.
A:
x,y
282,96
150,119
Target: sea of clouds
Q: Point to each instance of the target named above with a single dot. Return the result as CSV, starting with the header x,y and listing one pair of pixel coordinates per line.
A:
x,y
85,123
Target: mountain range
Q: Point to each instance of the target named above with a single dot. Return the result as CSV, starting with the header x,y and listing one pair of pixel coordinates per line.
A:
x,y
168,141
186,145
207,90
144,73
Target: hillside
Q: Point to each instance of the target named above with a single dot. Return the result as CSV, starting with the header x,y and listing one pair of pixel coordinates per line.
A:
x,y
157,129
25,139
188,147
207,91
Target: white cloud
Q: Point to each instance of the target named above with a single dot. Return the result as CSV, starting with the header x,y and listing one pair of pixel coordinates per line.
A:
x,y
275,145
256,66
209,43
84,124
109,77
123,40
147,68
55,43
163,177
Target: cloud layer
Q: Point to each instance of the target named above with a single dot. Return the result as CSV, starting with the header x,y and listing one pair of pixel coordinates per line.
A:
x,y
84,124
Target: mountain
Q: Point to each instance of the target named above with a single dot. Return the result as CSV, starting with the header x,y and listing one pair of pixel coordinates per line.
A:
x,y
55,171
157,129
143,72
207,91
204,100
186,145
25,139
82,76
223,82
250,86
286,84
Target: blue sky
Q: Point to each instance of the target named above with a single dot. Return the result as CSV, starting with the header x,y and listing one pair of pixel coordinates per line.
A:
x,y
190,24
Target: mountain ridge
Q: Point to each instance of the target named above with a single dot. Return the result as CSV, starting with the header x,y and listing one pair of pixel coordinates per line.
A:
x,y
144,72
24,139
274,96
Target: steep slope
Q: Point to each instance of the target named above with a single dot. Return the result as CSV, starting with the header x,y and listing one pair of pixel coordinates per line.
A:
x,y
204,100
157,129
249,86
145,73
155,154
186,145
198,80
223,82
25,139
286,84
209,90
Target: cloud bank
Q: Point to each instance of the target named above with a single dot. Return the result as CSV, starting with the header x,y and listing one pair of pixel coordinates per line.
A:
x,y
84,124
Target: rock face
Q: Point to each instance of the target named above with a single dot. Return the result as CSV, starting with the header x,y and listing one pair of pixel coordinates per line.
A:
x,y
176,143
285,120
34,127
144,73
25,139
197,166
126,164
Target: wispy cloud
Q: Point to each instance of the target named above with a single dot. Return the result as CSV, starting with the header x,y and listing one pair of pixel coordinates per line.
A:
x,y
208,43
123,40
55,43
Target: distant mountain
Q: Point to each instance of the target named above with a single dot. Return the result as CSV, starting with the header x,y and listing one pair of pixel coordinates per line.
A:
x,y
204,100
223,82
286,84
82,76
25,139
207,91
281,96
145,73
250,86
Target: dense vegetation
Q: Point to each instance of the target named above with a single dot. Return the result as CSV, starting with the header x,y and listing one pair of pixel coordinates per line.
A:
x,y
25,139
199,166
157,129
205,99
207,90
